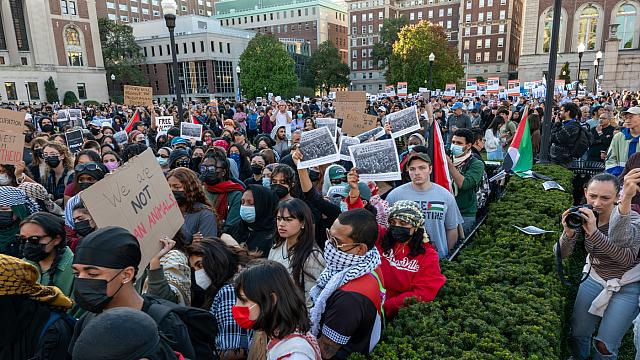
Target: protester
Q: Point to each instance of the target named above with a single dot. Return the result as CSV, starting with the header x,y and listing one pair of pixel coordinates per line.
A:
x,y
15,206
625,143
58,170
564,134
225,194
493,143
257,225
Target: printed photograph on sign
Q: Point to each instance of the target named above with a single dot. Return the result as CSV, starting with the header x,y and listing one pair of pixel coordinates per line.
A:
x,y
472,86
402,89
318,148
493,85
371,135
191,131
75,118
376,161
345,142
450,90
403,122
332,124
74,140
11,136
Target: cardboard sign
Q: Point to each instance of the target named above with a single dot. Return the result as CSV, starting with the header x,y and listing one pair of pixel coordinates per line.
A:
x,y
138,198
138,95
343,108
164,123
11,137
191,131
351,96
354,123
74,140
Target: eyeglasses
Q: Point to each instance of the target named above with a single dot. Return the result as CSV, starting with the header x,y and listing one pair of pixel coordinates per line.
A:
x,y
51,154
335,242
32,239
88,166
210,168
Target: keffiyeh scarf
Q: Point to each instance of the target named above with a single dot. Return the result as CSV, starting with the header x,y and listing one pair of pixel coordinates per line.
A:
x,y
341,268
12,196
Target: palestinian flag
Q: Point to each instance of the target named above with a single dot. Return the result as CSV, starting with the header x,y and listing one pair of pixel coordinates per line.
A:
x,y
135,118
520,154
435,206
440,170
194,120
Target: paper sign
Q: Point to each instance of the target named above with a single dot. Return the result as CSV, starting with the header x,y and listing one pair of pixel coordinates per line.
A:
x,y
402,89
74,140
318,148
332,124
164,123
138,95
75,117
136,196
450,90
356,123
191,131
532,230
376,161
403,122
121,137
351,96
472,86
11,137
513,87
493,85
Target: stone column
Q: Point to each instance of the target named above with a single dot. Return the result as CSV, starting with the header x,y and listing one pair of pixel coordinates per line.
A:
x,y
610,59
10,34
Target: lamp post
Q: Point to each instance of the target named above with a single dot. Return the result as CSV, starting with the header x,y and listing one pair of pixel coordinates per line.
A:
x,y
113,86
596,64
170,8
26,86
545,142
239,88
432,58
581,49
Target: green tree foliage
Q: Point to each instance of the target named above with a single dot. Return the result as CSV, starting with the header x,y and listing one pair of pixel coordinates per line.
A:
x,y
70,98
265,63
567,73
122,56
383,49
480,79
410,57
326,68
51,91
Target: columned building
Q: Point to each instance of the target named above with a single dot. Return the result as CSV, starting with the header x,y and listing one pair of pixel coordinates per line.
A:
x,y
609,27
50,38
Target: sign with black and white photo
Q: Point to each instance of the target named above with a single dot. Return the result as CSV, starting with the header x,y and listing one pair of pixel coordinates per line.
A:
x,y
74,140
345,142
372,134
164,123
376,161
332,124
191,131
63,118
318,148
75,117
403,122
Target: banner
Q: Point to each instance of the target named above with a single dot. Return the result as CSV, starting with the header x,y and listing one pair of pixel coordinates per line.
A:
x,y
513,87
472,86
402,89
11,137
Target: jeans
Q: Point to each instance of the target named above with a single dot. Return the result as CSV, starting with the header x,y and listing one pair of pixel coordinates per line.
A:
x,y
495,155
616,321
468,225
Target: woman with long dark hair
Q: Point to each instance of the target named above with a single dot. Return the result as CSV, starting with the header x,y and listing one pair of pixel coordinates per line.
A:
x,y
492,139
238,154
295,245
257,223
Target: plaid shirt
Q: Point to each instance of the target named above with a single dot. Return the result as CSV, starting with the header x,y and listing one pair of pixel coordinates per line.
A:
x,y
230,335
57,188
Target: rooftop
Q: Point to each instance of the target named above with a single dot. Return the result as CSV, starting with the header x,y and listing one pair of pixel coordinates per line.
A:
x,y
186,25
225,8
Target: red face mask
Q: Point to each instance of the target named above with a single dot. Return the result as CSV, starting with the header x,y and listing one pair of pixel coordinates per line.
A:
x,y
241,316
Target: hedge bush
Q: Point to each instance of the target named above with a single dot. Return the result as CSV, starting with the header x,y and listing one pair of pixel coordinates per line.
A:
x,y
502,299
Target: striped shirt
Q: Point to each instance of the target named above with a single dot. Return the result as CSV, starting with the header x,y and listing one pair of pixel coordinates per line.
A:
x,y
607,259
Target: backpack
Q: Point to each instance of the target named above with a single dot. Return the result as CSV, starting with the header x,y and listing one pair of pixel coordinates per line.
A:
x,y
53,317
583,142
200,324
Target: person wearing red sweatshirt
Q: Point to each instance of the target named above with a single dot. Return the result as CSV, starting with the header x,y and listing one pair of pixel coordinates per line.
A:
x,y
410,264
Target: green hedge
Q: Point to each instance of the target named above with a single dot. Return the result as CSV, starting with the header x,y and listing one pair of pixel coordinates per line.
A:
x,y
502,299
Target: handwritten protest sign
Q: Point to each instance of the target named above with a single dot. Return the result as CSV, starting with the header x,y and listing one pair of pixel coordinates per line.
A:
x,y
164,123
138,95
74,140
11,137
356,123
136,197
343,108
351,96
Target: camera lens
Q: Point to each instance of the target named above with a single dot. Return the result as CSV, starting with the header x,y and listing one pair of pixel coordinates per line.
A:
x,y
574,220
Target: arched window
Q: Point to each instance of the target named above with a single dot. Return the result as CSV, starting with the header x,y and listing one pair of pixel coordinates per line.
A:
x,y
588,27
548,22
73,47
626,18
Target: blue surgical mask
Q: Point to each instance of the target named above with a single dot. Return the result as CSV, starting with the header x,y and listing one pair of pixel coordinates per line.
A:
x,y
456,149
162,161
248,213
410,147
266,182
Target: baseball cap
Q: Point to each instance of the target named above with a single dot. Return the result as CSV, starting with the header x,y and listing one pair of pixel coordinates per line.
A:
x,y
179,140
382,108
457,105
635,110
365,192
239,132
420,156
337,172
96,122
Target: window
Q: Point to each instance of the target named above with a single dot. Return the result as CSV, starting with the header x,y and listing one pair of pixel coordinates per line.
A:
x,y
498,68
354,30
354,65
486,56
110,5
430,16
354,54
364,64
479,44
10,88
499,56
123,7
487,30
228,48
588,27
441,13
548,21
503,2
34,93
626,17
478,57
73,47
487,43
364,29
412,16
370,29
380,15
19,24
370,16
465,58
112,17
467,31
501,28
364,52
489,16
467,18
481,17
160,49
134,9
480,30
481,3
489,2
153,51
184,48
201,46
449,11
500,42
419,15
124,18
64,7
364,17
193,47
184,8
448,24
354,19
468,5
145,11
503,14
82,91
157,13
24,61
72,7
466,44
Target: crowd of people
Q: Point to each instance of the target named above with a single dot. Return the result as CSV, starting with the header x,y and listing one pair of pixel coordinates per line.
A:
x,y
276,261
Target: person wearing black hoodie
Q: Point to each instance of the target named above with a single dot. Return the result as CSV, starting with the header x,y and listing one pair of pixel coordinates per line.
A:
x,y
257,224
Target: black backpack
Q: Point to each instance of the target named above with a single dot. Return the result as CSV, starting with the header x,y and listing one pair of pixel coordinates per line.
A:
x,y
583,142
200,324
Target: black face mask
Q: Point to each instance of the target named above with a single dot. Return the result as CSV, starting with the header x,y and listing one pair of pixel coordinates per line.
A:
x,y
399,233
6,219
47,128
52,161
279,190
91,294
38,153
210,178
256,169
34,252
28,137
195,163
83,227
180,197
95,131
84,185
182,163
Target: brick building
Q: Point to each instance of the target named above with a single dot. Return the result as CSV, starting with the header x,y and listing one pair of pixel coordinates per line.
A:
x,y
50,38
133,11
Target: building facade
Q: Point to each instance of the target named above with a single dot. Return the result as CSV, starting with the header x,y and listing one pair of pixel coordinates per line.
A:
x,y
207,53
133,11
42,39
609,27
301,25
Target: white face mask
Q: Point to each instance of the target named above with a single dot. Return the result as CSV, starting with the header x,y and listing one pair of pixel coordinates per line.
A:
x,y
202,279
5,180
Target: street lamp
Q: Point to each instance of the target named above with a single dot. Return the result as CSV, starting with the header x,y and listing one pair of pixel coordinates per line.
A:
x,y
26,86
239,88
170,8
581,49
321,89
432,58
113,86
596,63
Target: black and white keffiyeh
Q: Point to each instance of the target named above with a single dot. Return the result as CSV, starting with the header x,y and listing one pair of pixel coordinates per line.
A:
x,y
341,268
11,196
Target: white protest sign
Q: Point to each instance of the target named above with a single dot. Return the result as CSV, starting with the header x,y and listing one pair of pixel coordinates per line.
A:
x,y
345,142
164,123
318,148
191,131
403,122
332,124
376,161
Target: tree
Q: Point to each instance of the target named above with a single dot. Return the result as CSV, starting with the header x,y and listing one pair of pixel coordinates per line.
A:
x,y
480,79
325,67
410,57
51,91
266,64
70,98
122,56
565,73
383,49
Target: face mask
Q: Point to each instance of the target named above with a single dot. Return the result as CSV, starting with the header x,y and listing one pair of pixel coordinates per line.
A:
x,y
95,131
182,163
6,219
34,252
83,227
256,169
456,149
411,147
28,137
210,178
266,182
248,213
279,190
38,153
180,197
235,157
202,279
5,180
300,116
91,294
52,161
241,316
47,128
162,161
112,165
84,186
399,233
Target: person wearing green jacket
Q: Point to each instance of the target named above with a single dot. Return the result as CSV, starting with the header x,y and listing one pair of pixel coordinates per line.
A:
x,y
466,171
625,143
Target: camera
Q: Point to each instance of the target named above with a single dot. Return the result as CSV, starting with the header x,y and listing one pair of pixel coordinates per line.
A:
x,y
574,219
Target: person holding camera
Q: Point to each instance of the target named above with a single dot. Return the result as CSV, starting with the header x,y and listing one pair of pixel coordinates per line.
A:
x,y
609,293
565,134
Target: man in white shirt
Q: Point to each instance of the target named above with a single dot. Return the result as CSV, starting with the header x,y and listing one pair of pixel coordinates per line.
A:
x,y
282,117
